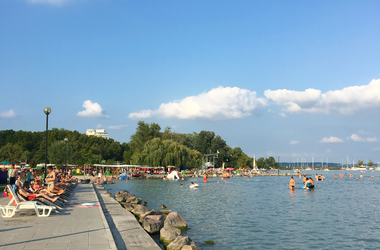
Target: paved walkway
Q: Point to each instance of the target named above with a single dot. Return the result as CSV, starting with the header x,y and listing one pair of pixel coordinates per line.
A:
x,y
73,228
126,230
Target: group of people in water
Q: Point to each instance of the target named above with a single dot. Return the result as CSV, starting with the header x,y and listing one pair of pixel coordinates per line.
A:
x,y
308,182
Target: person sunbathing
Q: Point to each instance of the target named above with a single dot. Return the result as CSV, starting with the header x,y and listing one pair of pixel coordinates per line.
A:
x,y
38,189
31,196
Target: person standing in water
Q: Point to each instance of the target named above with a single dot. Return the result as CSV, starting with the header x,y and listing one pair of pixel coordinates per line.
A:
x,y
292,183
205,177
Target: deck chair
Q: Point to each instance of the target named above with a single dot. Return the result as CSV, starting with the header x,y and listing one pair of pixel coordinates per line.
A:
x,y
10,209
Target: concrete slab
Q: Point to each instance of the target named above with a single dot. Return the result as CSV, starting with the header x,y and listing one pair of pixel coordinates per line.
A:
x,y
68,229
126,231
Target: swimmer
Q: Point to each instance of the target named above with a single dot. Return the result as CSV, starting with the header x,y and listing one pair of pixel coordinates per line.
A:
x,y
163,207
292,183
218,181
145,203
182,179
335,177
205,177
181,185
372,177
304,179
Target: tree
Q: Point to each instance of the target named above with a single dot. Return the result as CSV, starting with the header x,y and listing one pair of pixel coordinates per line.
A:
x,y
13,153
360,163
203,141
370,163
56,153
159,152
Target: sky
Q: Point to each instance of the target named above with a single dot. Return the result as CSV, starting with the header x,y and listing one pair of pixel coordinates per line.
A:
x,y
294,79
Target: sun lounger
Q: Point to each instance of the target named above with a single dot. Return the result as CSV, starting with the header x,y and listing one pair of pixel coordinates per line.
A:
x,y
15,205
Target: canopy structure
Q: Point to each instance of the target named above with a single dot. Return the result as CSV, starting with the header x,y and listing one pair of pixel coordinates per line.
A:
x,y
5,162
122,166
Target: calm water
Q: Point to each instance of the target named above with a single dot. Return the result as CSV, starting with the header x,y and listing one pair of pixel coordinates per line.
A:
x,y
261,212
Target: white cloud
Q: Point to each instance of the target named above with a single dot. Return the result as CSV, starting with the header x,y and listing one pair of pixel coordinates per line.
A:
x,y
8,114
99,126
357,138
345,101
293,142
217,104
141,115
376,149
92,110
282,114
116,127
328,151
51,2
331,139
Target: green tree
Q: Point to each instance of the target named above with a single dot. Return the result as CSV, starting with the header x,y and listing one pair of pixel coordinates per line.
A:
x,y
370,163
57,156
203,141
13,153
360,163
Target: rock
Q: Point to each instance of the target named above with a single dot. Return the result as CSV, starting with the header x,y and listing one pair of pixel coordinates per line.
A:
x,y
136,201
120,199
191,247
179,242
166,211
128,206
152,226
139,210
130,199
175,219
152,212
168,234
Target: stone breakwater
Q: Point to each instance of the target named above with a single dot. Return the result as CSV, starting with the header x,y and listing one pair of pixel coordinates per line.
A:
x,y
166,223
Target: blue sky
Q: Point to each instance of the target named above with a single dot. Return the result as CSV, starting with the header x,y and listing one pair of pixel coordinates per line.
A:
x,y
295,79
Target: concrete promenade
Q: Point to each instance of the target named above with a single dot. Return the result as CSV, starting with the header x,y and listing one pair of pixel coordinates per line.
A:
x,y
127,232
72,228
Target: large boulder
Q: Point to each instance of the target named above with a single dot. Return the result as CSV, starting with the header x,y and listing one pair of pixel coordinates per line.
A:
x,y
175,219
192,246
152,226
130,199
136,201
179,242
152,212
139,210
166,211
128,206
168,234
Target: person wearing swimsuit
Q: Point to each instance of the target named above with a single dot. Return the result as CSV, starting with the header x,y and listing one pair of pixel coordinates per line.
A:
x,y
50,179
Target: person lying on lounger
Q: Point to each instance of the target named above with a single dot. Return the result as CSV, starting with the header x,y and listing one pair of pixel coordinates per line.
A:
x,y
30,196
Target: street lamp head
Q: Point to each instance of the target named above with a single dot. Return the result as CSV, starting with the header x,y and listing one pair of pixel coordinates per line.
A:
x,y
47,110
66,140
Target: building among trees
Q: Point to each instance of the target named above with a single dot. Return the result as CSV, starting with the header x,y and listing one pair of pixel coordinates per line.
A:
x,y
97,132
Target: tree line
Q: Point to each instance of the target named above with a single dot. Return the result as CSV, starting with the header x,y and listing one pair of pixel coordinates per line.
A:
x,y
148,146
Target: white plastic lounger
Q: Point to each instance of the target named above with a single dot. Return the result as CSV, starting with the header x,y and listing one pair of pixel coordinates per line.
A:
x,y
15,205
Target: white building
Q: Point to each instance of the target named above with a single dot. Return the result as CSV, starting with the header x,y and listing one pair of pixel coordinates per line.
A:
x,y
97,132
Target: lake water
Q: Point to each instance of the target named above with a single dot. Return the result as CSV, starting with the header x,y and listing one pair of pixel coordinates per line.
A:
x,y
262,213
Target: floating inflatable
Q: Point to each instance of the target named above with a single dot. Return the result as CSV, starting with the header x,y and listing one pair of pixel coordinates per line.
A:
x,y
194,186
123,176
173,175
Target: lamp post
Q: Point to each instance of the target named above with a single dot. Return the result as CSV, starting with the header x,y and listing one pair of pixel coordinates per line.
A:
x,y
65,154
47,111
